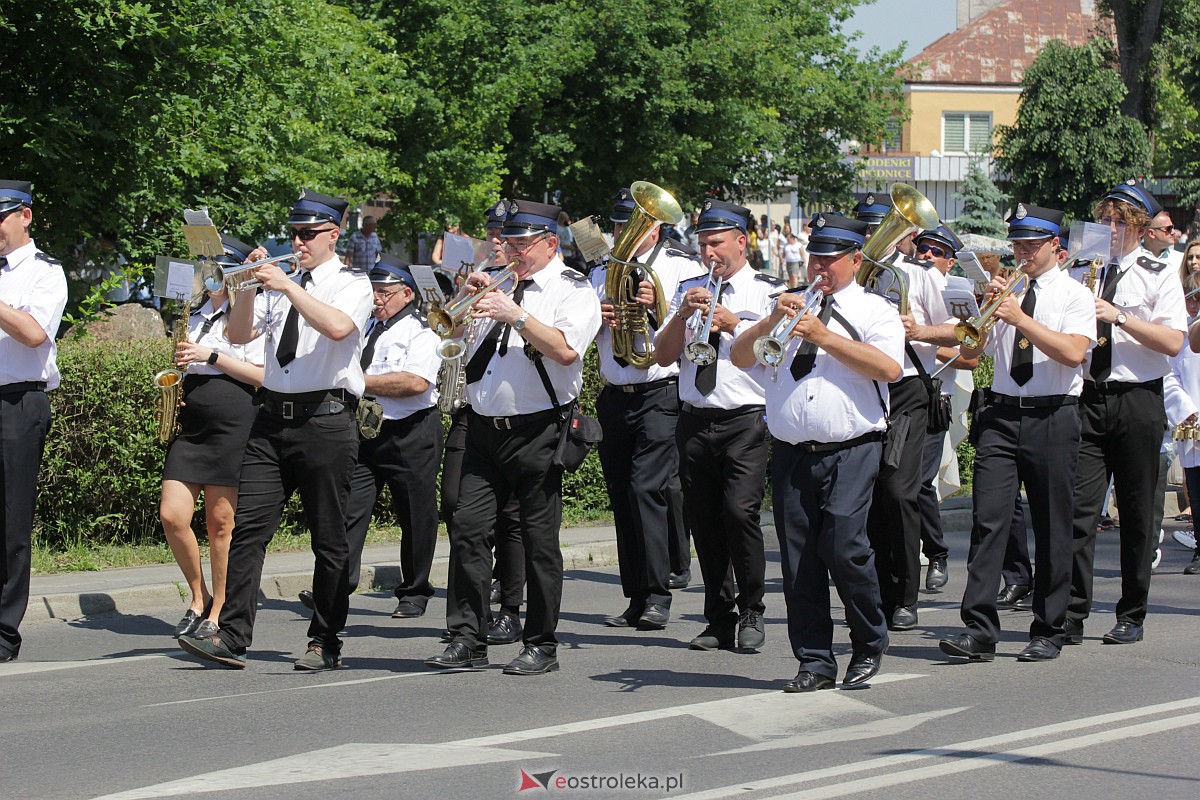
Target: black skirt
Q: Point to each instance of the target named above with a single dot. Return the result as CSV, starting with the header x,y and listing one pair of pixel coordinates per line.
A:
x,y
214,425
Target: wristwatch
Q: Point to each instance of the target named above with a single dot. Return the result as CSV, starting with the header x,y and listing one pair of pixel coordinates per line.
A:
x,y
1121,319
212,357
519,324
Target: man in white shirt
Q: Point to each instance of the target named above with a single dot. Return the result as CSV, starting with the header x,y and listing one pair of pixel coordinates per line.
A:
x,y
523,374
305,436
827,412
33,293
1159,239
1027,431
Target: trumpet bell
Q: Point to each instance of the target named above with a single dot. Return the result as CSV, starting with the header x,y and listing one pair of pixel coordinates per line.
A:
x,y
700,353
768,352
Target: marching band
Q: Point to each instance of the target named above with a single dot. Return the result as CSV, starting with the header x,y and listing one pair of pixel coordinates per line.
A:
x,y
328,381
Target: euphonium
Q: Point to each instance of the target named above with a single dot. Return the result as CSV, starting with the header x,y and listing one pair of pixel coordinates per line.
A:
x,y
444,319
911,212
769,349
170,385
699,351
240,278
972,333
653,206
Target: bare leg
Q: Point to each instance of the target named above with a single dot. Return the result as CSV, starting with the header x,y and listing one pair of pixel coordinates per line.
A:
x,y
220,503
175,510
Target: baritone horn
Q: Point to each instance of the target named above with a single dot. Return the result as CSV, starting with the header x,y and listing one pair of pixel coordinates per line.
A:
x,y
631,337
972,333
910,212
241,278
444,319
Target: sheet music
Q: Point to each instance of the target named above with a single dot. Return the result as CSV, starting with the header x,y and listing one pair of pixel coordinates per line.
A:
x,y
959,297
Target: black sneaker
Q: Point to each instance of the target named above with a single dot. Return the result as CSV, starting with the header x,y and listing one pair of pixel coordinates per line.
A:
x,y
1194,567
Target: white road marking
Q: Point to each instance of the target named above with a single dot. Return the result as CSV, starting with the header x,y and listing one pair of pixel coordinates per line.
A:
x,y
32,667
308,688
868,730
957,751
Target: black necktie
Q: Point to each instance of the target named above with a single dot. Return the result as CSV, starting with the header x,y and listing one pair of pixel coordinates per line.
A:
x,y
285,352
806,356
497,333
377,330
706,376
3,262
1021,367
1102,352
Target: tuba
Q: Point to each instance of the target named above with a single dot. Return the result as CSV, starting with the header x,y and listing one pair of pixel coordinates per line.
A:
x,y
169,383
911,212
654,206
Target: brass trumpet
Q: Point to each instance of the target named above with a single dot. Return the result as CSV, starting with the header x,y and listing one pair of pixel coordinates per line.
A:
x,y
699,351
972,333
444,319
241,278
769,349
911,212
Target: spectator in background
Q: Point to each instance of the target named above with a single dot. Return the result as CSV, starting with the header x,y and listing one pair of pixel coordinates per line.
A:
x,y
690,235
448,227
793,259
363,247
764,243
776,239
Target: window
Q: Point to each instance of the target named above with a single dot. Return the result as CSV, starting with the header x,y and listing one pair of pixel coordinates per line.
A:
x,y
891,135
966,132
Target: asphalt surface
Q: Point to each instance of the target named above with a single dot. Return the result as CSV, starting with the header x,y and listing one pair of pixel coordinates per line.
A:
x,y
107,706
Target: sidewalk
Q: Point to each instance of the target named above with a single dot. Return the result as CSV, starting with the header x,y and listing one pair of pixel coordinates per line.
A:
x,y
133,590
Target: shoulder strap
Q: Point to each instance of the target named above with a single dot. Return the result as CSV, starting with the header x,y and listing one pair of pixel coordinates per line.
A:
x,y
541,370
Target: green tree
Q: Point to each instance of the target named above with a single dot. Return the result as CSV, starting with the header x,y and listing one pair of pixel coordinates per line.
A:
x,y
982,202
1070,141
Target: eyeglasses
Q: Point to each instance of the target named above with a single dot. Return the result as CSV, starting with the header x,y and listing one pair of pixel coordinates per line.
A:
x,y
386,291
308,234
521,249
1028,244
1158,227
936,252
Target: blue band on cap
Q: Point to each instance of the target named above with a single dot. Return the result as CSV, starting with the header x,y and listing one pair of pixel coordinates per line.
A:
x,y
15,194
318,209
721,215
389,273
1034,223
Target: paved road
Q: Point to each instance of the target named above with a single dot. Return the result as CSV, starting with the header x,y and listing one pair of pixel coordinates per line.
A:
x,y
106,706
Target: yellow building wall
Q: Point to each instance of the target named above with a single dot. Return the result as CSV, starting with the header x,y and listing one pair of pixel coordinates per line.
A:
x,y
922,133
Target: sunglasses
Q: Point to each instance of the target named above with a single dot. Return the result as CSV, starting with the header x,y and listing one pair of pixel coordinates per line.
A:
x,y
937,252
308,234
5,214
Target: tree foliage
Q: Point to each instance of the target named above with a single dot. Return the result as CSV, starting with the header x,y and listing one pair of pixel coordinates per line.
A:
x,y
982,205
1071,141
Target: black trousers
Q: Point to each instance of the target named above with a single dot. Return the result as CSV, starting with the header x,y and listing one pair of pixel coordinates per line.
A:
x,y
500,465
723,464
314,456
405,458
821,502
509,568
1036,446
894,524
638,455
1122,435
24,423
933,543
1018,568
679,541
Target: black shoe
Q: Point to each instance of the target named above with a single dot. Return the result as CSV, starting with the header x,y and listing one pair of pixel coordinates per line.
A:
x,y
494,594
504,629
1039,649
627,618
712,638
654,618
204,630
213,649
862,668
306,600
1007,599
407,609
808,682
1123,633
1073,631
318,658
967,646
904,618
457,656
447,636
750,630
1194,567
8,655
679,580
532,661
937,575
188,624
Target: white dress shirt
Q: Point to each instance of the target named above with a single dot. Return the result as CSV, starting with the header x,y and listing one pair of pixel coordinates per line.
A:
x,y
217,339
834,403
1063,305
1181,394
36,285
1152,292
926,306
671,267
406,346
321,363
561,298
749,297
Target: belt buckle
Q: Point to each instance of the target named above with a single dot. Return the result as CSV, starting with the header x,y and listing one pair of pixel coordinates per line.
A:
x,y
627,388
1021,402
502,423
286,410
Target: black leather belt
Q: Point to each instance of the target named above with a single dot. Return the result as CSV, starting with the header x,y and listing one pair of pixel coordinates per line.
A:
x,y
830,447
519,420
411,419
306,404
1042,401
721,413
1120,387
24,386
636,388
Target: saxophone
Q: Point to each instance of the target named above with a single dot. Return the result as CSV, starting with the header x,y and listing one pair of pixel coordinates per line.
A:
x,y
170,388
452,376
